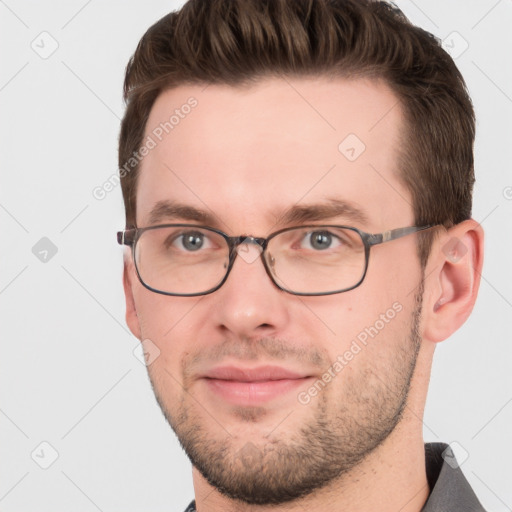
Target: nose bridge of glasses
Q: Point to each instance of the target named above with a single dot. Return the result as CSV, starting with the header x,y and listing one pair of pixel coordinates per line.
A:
x,y
249,248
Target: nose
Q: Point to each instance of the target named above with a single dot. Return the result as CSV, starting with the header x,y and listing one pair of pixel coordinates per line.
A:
x,y
249,304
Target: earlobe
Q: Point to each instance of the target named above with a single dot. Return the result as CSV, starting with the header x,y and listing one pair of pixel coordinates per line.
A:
x,y
455,270
132,319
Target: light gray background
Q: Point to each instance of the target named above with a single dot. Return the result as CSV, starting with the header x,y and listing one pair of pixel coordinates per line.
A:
x,y
68,373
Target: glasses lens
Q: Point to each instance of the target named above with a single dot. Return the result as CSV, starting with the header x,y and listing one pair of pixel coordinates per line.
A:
x,y
317,259
181,260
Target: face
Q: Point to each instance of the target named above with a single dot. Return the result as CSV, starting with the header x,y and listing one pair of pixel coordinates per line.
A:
x,y
274,395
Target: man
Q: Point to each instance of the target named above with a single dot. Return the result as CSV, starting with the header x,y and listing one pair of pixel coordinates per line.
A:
x,y
297,177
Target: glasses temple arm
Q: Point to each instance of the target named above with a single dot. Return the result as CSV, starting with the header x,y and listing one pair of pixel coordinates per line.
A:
x,y
393,234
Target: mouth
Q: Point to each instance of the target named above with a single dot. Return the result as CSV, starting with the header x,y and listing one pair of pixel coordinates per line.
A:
x,y
253,386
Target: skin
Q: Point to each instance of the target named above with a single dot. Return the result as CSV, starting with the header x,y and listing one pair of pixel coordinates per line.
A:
x,y
244,155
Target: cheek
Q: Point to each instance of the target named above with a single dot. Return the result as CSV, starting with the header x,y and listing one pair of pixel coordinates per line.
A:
x,y
394,269
342,318
166,322
163,322
367,346
161,317
152,313
366,323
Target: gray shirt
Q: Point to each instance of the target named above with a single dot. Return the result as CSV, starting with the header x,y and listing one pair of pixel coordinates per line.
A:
x,y
449,489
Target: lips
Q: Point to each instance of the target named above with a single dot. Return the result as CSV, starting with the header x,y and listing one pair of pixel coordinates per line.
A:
x,y
262,373
252,386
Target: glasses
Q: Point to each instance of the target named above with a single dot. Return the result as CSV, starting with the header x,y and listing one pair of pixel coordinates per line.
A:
x,y
189,260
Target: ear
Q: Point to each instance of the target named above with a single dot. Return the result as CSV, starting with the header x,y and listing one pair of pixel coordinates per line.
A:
x,y
454,271
131,312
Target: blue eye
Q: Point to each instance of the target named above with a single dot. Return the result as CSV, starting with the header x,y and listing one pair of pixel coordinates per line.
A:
x,y
188,241
192,241
320,240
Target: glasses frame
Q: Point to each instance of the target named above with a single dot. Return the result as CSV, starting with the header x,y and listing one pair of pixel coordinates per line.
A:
x,y
130,237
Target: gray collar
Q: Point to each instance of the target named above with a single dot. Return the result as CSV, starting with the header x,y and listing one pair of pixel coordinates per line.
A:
x,y
450,491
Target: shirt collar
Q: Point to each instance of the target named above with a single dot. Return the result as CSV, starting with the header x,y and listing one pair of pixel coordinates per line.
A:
x,y
449,489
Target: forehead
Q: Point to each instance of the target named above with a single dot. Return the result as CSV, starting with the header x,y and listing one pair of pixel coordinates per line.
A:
x,y
244,154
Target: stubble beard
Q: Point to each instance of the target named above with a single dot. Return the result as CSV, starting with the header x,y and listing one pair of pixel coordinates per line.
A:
x,y
327,445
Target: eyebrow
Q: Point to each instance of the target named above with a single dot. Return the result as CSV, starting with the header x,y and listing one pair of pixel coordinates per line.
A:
x,y
167,210
300,214
297,214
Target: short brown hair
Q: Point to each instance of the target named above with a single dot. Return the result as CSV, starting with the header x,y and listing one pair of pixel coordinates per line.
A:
x,y
237,42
